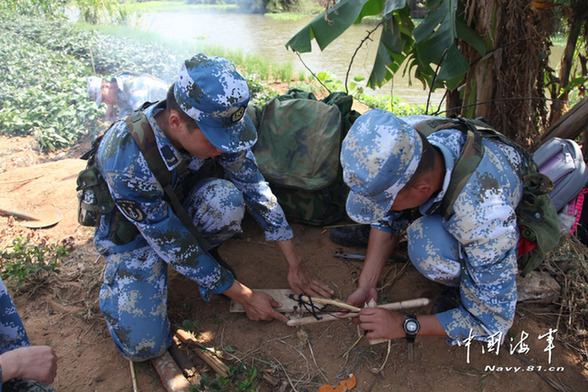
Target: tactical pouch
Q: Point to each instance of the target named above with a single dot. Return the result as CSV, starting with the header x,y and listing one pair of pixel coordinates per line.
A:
x,y
93,197
538,221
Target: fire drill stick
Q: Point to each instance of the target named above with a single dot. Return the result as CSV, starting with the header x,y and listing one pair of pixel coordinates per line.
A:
x,y
411,303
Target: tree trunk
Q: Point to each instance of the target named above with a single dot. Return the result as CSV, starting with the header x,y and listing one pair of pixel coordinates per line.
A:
x,y
577,21
505,86
571,125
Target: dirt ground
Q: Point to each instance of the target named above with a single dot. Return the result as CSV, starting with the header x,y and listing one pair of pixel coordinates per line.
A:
x,y
64,312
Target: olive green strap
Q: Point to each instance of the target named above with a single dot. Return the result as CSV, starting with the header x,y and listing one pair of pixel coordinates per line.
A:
x,y
466,164
141,130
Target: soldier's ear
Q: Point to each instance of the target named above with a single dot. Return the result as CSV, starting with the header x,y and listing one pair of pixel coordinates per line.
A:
x,y
175,120
422,186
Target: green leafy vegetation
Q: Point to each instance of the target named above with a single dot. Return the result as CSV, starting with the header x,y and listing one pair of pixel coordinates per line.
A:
x,y
43,91
190,325
45,63
240,378
28,263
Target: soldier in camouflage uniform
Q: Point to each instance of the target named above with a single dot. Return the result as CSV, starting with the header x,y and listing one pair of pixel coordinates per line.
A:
x,y
127,91
391,168
202,119
22,365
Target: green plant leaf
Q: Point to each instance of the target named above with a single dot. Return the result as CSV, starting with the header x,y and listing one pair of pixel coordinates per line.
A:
x,y
341,16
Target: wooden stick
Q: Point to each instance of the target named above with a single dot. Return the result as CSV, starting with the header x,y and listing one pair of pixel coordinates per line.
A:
x,y
133,377
326,301
211,360
411,303
170,374
184,363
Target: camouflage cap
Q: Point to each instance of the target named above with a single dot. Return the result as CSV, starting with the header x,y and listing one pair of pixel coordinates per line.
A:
x,y
94,89
379,155
215,95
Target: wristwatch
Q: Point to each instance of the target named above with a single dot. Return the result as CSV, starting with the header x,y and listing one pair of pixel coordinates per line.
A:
x,y
411,328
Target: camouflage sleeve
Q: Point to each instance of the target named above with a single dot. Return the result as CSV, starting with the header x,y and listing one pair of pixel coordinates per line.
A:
x,y
484,223
140,198
12,331
395,222
241,169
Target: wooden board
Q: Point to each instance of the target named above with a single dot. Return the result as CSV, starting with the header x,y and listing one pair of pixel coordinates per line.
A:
x,y
281,296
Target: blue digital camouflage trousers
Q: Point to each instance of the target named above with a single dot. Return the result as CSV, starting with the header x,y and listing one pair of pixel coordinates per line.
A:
x,y
440,257
436,254
133,297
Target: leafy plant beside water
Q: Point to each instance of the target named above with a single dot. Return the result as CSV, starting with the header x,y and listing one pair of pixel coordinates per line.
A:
x,y
43,92
26,262
45,65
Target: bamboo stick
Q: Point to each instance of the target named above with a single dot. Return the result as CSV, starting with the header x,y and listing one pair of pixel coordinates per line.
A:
x,y
211,360
411,303
133,377
327,301
184,363
170,374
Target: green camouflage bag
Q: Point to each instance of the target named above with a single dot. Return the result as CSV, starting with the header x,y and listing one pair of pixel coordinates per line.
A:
x,y
536,216
299,141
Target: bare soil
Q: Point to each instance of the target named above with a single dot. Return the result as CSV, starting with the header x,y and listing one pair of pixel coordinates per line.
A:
x,y
64,312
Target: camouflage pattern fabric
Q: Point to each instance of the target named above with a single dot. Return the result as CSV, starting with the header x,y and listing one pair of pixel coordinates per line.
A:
x,y
486,237
134,293
476,248
317,208
20,385
12,331
299,142
134,90
215,95
298,153
379,155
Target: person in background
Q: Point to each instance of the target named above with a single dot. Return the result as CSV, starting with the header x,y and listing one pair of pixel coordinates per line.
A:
x,y
127,91
22,367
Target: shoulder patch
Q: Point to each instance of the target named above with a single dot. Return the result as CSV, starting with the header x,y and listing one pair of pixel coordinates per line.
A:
x,y
132,209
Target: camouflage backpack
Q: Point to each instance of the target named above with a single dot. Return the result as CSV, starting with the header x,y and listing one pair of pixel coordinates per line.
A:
x,y
537,219
298,153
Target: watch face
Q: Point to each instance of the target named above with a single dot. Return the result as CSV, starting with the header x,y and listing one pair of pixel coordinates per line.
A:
x,y
411,326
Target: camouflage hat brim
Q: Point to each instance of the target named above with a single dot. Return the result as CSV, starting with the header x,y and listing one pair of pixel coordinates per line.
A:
x,y
234,138
367,210
379,155
215,95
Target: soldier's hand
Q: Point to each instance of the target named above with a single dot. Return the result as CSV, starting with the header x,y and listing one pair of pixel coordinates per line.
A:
x,y
37,363
261,306
380,323
257,305
362,296
302,282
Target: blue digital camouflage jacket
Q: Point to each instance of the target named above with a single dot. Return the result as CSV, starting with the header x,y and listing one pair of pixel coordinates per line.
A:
x,y
140,198
485,225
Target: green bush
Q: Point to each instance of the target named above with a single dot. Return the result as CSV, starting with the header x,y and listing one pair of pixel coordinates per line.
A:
x,y
25,262
43,92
